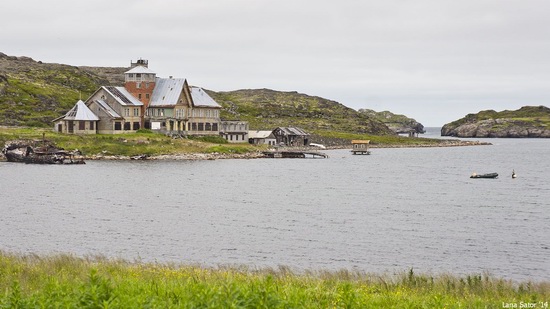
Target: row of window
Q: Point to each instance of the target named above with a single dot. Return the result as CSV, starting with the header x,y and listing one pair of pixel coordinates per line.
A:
x,y
181,113
235,127
235,137
127,126
140,97
82,125
135,111
200,126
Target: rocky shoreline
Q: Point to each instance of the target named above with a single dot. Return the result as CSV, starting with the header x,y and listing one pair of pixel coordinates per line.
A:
x,y
260,155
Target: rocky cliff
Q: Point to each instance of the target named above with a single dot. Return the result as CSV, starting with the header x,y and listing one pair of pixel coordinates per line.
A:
x,y
397,123
528,121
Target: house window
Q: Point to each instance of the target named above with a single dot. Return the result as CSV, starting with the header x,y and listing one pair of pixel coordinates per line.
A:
x,y
201,126
127,126
92,125
118,126
147,96
194,126
214,127
138,85
139,96
208,127
82,125
136,126
136,112
147,84
126,112
138,75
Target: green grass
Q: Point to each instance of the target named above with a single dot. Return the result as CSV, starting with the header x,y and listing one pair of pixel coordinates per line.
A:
x,y
381,140
145,142
66,281
132,144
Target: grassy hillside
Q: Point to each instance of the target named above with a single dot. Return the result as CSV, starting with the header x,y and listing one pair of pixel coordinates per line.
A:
x,y
265,109
528,121
527,113
34,93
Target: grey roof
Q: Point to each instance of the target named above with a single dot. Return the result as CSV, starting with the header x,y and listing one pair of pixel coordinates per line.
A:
x,y
122,96
201,98
292,131
167,91
111,112
260,134
80,112
140,70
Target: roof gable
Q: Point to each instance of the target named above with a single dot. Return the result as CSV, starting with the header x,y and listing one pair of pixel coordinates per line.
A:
x,y
108,110
167,91
140,70
122,96
80,112
202,99
260,134
290,131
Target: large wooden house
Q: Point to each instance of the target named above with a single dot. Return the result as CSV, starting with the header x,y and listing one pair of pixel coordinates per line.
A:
x,y
118,111
168,105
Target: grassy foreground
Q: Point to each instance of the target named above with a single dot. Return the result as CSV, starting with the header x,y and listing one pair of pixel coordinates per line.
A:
x,y
65,281
131,144
153,144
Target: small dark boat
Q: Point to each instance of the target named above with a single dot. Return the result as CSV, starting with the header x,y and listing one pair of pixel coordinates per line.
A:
x,y
489,175
37,152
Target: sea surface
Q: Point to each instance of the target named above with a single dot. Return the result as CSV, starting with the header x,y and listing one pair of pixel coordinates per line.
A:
x,y
388,212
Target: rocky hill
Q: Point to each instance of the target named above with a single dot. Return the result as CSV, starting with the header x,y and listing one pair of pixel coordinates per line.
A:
x,y
397,123
265,108
528,121
33,93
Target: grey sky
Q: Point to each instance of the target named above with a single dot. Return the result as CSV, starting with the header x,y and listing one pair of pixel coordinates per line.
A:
x,y
433,60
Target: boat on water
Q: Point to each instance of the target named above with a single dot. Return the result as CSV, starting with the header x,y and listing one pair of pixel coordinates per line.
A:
x,y
38,152
489,175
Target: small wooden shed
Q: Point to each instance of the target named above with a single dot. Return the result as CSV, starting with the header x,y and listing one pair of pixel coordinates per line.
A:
x,y
360,146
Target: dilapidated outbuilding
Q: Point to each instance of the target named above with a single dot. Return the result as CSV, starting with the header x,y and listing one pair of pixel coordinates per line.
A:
x,y
261,138
291,136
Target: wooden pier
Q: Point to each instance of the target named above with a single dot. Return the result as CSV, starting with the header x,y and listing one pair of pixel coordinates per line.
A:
x,y
294,154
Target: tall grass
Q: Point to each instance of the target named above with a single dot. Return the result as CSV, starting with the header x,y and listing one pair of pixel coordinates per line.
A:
x,y
65,281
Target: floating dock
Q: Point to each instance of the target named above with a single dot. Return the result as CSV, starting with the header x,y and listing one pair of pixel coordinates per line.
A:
x,y
294,154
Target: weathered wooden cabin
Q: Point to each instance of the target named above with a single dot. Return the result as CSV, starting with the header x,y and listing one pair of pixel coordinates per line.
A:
x,y
291,136
261,138
361,147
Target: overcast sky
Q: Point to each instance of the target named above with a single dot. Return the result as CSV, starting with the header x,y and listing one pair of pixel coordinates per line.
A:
x,y
432,60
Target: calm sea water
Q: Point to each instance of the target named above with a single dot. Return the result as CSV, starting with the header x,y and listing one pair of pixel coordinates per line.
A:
x,y
387,212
